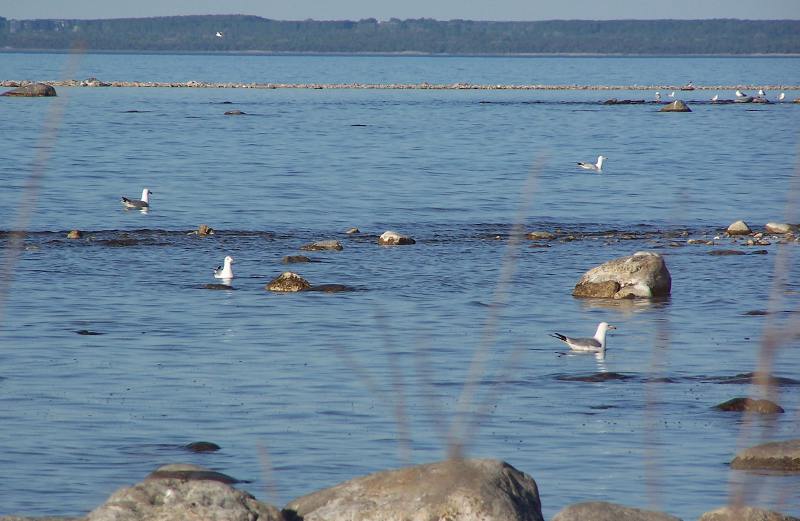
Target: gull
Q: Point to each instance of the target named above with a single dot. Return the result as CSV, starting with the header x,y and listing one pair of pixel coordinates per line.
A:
x,y
715,98
739,94
672,94
225,271
137,203
597,344
781,96
597,167
219,34
761,92
658,96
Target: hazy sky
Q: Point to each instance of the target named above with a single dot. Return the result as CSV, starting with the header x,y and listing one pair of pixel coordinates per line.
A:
x,y
385,9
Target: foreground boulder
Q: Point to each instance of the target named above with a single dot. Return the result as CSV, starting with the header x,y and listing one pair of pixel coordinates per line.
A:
x,y
641,275
390,238
463,490
33,90
745,513
288,282
178,495
776,455
676,106
602,511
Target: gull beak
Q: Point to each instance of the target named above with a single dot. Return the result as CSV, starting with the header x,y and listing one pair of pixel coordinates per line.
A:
x,y
612,327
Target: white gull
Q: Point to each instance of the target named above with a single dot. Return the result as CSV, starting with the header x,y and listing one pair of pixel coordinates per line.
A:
x,y
226,270
597,344
140,204
596,167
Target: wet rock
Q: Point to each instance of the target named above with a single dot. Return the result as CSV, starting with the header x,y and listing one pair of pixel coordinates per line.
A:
x,y
641,275
541,236
602,511
119,243
749,405
323,245
745,513
74,234
202,446
761,99
179,495
390,238
86,332
759,252
755,377
780,228
288,282
204,230
331,288
191,472
776,455
739,228
700,241
594,378
94,82
676,106
615,101
234,113
756,313
34,90
352,231
295,259
223,287
726,252
463,490
744,99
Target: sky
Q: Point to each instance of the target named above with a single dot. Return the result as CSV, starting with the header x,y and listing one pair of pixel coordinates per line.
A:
x,y
385,9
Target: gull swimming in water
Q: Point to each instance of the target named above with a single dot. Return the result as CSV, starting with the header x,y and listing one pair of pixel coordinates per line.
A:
x,y
781,96
219,34
761,92
658,96
226,270
597,167
597,344
139,204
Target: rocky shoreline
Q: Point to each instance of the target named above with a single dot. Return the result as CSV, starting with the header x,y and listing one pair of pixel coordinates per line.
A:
x,y
94,82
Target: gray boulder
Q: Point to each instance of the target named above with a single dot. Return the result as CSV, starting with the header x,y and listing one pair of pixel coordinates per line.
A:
x,y
776,455
463,490
641,275
167,496
288,282
33,90
323,245
778,228
745,513
739,228
676,106
602,511
541,235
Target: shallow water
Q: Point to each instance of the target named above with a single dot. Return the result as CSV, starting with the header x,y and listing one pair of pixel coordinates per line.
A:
x,y
302,391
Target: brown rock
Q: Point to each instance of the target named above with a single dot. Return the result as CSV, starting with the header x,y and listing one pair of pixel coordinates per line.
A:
x,y
541,235
745,513
295,259
676,106
750,405
777,455
605,289
204,230
74,234
739,228
34,90
602,511
202,446
288,282
463,490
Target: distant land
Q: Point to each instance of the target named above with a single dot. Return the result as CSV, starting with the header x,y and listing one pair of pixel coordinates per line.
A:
x,y
242,33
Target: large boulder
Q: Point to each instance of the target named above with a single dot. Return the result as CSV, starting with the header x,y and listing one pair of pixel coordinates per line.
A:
x,y
745,513
641,275
776,455
778,228
676,106
463,490
288,282
178,495
602,511
739,228
33,90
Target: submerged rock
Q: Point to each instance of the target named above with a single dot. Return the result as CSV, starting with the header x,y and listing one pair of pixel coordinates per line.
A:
x,y
34,90
323,245
463,490
641,275
390,238
594,378
749,405
745,513
726,252
179,495
288,282
541,235
295,259
776,455
202,446
739,228
676,106
603,511
234,113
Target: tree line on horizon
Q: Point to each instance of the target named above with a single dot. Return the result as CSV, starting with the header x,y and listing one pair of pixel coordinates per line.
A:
x,y
231,33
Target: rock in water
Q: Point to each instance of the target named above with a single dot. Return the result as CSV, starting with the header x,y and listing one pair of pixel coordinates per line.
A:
x,y
750,405
745,513
641,275
202,446
776,455
74,234
463,490
178,499
323,245
390,238
288,282
33,90
739,228
676,106
602,511
778,228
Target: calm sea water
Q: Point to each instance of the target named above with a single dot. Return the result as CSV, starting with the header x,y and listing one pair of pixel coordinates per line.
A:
x,y
303,391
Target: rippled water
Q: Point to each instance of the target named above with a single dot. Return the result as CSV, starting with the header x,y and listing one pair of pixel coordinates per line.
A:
x,y
308,390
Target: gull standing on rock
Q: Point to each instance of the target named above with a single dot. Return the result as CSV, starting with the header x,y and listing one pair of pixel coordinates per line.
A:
x,y
226,270
739,94
597,344
597,167
781,96
658,96
140,204
715,98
